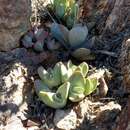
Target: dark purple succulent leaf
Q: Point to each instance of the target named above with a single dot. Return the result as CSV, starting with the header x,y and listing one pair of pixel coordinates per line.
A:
x,y
60,33
31,34
41,34
27,41
38,46
53,45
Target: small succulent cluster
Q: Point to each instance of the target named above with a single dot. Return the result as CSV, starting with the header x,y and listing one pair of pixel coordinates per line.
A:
x,y
64,82
66,10
35,39
74,40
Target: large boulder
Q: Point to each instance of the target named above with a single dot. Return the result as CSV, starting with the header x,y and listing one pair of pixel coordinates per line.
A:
x,y
14,22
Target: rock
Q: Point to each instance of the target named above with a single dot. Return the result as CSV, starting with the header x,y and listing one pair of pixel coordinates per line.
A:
x,y
103,87
33,128
124,63
108,16
14,124
83,112
65,119
14,90
124,119
111,106
106,115
14,22
82,108
98,115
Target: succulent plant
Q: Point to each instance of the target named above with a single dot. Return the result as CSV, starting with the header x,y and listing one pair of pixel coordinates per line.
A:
x,y
35,39
72,15
54,100
74,40
64,82
51,77
52,44
38,46
77,35
27,41
83,54
60,32
77,88
66,10
91,85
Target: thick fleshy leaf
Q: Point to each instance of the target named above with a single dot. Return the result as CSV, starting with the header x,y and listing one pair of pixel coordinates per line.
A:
x,y
65,74
83,54
38,46
74,97
69,21
40,86
91,85
70,65
58,99
40,34
60,33
53,45
63,91
27,41
77,84
84,68
51,77
75,9
60,10
57,73
77,35
55,3
72,15
78,89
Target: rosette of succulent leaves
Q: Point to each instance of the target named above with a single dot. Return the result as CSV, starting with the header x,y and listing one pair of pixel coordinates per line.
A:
x,y
66,10
64,82
74,40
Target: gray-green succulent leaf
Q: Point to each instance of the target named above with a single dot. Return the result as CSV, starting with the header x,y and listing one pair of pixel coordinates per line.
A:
x,y
84,68
40,86
64,82
65,74
52,77
77,84
58,99
91,85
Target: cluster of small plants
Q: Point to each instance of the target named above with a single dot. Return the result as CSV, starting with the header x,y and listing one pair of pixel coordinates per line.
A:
x,y
72,37
67,10
63,82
